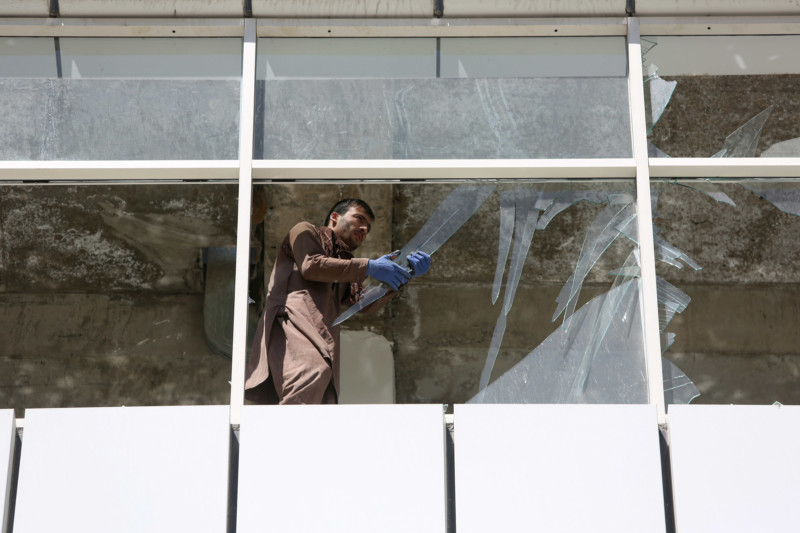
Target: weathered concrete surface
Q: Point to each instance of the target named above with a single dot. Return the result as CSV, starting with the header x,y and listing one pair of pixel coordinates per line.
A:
x,y
706,109
107,238
79,350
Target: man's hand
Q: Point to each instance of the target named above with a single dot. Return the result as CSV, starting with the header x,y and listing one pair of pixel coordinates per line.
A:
x,y
420,263
385,270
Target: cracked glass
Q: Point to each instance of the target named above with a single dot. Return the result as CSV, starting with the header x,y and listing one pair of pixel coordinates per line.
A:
x,y
729,319
457,334
722,96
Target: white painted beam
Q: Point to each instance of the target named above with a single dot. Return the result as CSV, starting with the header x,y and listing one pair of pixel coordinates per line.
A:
x,y
343,8
149,8
240,303
441,169
739,167
447,27
92,171
114,27
533,8
24,8
744,25
644,219
646,8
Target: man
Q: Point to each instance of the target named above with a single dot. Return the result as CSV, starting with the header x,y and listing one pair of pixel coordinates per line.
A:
x,y
295,353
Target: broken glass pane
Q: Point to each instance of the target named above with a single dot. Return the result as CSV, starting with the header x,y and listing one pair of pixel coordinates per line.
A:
x,y
671,300
783,195
550,372
658,93
744,141
451,214
678,388
598,238
504,241
708,188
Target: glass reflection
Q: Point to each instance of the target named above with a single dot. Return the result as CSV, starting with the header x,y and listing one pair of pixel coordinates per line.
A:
x,y
734,320
105,290
401,99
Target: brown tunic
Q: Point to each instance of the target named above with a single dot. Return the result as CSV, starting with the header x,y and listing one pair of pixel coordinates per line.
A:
x,y
294,339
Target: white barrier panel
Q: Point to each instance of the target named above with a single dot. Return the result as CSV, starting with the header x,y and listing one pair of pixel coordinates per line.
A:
x,y
8,434
353,468
566,468
126,469
735,468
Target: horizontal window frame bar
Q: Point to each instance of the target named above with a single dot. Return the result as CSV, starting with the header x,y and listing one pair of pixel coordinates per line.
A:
x,y
742,25
440,169
92,171
740,167
121,27
436,27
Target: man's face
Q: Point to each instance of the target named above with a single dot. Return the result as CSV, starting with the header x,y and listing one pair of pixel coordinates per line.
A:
x,y
352,227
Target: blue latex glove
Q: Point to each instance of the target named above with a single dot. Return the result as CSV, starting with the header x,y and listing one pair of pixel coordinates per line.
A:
x,y
420,263
387,271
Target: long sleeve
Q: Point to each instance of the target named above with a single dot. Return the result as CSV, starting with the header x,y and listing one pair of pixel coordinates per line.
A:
x,y
314,265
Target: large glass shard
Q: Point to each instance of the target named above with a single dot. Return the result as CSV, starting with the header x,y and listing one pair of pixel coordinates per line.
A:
x,y
598,238
671,300
744,141
504,242
549,372
670,254
451,214
678,389
658,93
708,188
526,217
560,202
608,310
785,196
655,151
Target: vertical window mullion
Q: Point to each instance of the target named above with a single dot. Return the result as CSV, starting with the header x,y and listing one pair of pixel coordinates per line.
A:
x,y
246,121
649,293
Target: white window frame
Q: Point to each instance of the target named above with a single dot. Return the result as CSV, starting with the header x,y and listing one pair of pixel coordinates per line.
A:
x,y
245,171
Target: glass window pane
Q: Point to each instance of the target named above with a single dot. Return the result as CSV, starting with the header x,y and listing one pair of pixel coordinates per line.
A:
x,y
729,255
532,294
442,98
722,96
116,295
119,99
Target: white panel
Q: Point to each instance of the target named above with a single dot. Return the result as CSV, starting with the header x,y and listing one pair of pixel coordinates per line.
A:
x,y
715,7
724,55
287,58
24,8
8,435
533,8
27,57
540,57
566,468
353,468
735,468
343,8
126,469
150,8
151,58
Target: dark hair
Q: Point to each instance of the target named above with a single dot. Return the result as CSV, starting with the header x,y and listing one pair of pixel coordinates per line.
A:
x,y
343,206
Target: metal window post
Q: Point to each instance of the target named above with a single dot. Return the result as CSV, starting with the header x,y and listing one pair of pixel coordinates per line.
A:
x,y
652,337
246,118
